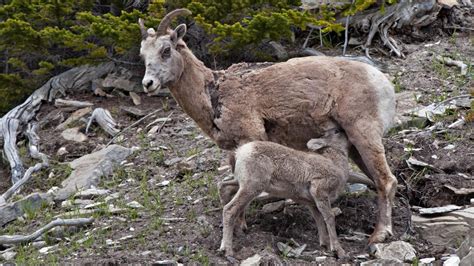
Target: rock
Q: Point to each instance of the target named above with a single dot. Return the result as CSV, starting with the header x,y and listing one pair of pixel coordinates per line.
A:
x,y
88,169
202,220
12,211
112,196
91,193
165,262
133,111
62,151
311,52
438,210
134,205
8,255
279,52
289,251
452,261
448,3
357,188
164,183
460,191
442,231
426,260
465,247
153,131
120,79
135,98
81,203
468,260
74,117
273,206
381,262
397,250
47,250
252,261
412,161
173,161
467,214
73,134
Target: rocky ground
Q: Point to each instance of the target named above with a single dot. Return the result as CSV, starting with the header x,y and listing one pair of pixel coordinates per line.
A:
x,y
156,200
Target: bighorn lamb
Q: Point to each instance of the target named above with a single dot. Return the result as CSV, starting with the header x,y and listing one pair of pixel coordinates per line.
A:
x,y
310,179
288,103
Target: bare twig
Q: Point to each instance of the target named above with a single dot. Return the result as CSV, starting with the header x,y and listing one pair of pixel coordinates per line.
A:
x,y
71,103
451,99
123,62
164,122
11,191
450,62
346,33
132,125
458,28
21,239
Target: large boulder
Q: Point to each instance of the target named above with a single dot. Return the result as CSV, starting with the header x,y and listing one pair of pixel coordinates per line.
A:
x,y
88,169
32,202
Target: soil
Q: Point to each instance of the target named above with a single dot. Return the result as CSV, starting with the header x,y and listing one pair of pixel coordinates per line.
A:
x,y
191,196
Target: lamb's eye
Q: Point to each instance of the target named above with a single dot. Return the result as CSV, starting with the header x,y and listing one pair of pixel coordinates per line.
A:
x,y
166,52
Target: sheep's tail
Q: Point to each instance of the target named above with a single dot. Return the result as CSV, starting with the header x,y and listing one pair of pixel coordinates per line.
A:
x,y
355,177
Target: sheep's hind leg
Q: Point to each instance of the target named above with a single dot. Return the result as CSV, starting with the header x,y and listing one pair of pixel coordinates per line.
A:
x,y
368,142
231,211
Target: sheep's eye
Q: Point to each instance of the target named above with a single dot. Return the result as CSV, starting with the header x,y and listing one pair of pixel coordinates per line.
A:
x,y
166,52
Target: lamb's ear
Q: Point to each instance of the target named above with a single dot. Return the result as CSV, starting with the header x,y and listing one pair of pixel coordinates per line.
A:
x,y
178,33
316,144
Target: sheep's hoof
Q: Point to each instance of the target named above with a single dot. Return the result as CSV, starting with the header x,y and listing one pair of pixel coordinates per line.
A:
x,y
379,235
341,254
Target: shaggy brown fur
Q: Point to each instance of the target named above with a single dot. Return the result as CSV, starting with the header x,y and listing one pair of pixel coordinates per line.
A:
x,y
287,103
310,179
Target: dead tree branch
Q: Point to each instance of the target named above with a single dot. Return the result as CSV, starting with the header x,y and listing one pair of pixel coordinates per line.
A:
x,y
105,120
21,239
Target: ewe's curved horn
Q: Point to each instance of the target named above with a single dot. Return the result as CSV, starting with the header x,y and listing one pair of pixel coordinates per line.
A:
x,y
142,28
166,21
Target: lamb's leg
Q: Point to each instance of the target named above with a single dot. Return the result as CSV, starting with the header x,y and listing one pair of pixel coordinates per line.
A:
x,y
368,142
324,207
227,190
322,231
243,197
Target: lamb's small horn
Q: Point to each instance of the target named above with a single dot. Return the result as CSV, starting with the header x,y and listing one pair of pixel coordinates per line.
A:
x,y
166,21
143,30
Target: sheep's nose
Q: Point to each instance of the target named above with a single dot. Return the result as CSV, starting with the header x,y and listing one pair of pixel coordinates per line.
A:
x,y
147,83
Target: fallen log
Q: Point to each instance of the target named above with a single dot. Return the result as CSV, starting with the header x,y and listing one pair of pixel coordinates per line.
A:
x,y
16,119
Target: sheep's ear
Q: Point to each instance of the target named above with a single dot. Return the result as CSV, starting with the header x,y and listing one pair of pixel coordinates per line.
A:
x,y
316,144
178,33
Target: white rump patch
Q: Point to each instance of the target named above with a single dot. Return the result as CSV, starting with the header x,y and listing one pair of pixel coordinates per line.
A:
x,y
385,94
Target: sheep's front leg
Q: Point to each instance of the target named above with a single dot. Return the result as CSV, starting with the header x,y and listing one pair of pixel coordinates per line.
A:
x,y
227,190
322,231
243,197
324,207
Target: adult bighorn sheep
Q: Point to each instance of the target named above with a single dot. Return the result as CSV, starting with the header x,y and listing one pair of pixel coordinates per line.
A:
x,y
288,103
